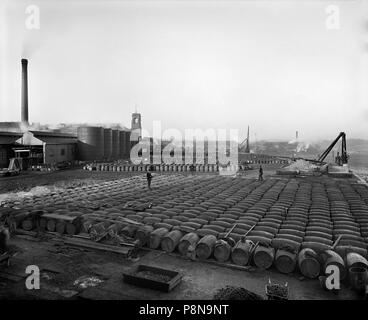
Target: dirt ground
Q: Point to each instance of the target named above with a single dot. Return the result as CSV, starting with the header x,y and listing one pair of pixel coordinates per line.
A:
x,y
64,178
61,265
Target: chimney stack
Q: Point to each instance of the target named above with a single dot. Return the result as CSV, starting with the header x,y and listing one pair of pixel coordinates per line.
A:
x,y
24,98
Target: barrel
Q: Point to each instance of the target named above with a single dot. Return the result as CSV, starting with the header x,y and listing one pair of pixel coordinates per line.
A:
x,y
51,224
190,239
354,259
72,228
358,278
143,234
344,250
205,246
222,251
28,224
171,240
330,257
308,263
156,237
241,253
264,256
285,261
60,226
43,223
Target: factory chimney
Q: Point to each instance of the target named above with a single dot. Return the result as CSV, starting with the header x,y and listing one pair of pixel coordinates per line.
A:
x,y
24,98
247,150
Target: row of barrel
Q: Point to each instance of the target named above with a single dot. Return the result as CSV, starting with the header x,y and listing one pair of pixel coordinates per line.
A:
x,y
163,168
289,215
309,262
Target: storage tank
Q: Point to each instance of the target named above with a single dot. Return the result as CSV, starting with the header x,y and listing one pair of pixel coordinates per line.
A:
x,y
115,144
127,143
107,143
90,143
122,144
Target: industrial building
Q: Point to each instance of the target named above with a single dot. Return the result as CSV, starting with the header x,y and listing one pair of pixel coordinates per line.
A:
x,y
85,143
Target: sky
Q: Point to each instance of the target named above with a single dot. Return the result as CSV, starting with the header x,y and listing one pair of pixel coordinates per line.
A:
x,y
272,65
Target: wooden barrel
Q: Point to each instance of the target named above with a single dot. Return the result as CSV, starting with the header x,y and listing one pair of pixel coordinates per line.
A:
x,y
190,239
358,278
28,224
51,225
205,246
156,237
285,261
308,263
73,228
356,260
344,250
222,251
171,240
241,253
330,257
43,224
143,234
264,256
60,227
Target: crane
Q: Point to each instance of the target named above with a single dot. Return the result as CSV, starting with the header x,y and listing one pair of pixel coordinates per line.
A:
x,y
344,155
245,143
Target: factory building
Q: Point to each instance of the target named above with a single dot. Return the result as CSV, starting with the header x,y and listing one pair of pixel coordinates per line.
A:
x,y
36,147
85,143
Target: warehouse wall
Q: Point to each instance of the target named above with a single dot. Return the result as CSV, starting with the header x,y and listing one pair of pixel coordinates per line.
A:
x,y
60,152
4,157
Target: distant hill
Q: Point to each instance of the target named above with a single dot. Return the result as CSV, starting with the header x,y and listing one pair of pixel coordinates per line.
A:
x,y
307,150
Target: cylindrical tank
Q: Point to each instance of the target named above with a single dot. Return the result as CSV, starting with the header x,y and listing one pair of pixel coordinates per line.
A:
x,y
205,246
115,144
156,237
190,239
123,144
330,257
308,263
90,143
285,261
358,278
241,253
171,240
263,257
222,251
127,143
107,143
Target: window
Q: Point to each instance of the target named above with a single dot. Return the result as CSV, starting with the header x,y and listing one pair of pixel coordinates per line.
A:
x,y
62,152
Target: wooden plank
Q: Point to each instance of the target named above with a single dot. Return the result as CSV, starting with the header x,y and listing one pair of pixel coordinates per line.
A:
x,y
97,246
59,217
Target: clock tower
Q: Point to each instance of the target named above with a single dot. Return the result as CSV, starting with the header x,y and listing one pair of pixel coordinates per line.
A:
x,y
136,133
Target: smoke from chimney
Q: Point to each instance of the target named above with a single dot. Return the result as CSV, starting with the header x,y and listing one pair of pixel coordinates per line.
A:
x,y
24,98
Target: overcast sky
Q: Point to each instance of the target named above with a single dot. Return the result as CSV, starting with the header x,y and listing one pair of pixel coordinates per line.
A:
x,y
270,64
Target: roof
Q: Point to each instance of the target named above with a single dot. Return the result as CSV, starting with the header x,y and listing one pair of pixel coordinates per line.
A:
x,y
52,134
37,138
9,137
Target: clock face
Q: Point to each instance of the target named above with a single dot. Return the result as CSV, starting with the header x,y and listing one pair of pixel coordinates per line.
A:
x,y
136,120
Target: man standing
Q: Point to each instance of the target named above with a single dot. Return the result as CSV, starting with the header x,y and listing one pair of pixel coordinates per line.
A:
x,y
260,175
149,179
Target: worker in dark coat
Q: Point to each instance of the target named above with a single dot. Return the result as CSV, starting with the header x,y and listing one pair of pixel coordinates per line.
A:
x,y
149,179
260,175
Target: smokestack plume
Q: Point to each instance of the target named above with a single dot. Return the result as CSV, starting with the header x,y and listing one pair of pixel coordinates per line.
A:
x,y
24,99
